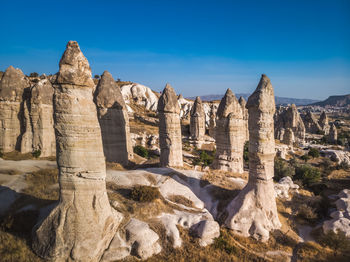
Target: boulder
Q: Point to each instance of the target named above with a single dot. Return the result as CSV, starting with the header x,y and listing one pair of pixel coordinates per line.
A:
x,y
207,231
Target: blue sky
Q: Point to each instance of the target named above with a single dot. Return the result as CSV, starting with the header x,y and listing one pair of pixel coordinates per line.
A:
x,y
200,47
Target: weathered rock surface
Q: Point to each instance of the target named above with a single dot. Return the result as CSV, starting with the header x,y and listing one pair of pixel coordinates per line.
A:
x,y
253,212
288,137
197,123
206,230
83,223
13,86
170,139
212,121
289,118
283,186
141,95
243,103
311,124
323,122
114,120
338,155
333,134
230,135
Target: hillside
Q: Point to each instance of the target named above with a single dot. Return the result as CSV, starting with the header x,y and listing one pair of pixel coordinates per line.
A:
x,y
279,100
338,101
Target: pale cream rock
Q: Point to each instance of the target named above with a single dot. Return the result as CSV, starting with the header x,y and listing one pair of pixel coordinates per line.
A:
x,y
243,103
323,122
197,122
333,134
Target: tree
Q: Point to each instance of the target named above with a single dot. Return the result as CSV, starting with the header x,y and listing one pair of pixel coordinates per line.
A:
x,y
34,74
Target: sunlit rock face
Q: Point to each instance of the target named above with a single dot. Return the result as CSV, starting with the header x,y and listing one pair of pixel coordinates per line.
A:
x,y
333,134
169,129
311,124
230,135
253,212
114,120
243,104
83,223
323,122
13,86
197,123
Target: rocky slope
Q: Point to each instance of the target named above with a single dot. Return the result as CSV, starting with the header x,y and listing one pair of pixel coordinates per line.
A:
x,y
336,101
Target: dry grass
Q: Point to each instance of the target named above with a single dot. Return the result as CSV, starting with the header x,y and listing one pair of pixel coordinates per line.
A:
x,y
16,156
181,200
114,166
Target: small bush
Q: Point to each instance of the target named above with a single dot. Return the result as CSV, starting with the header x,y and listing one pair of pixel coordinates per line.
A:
x,y
222,243
141,151
343,165
36,153
314,152
307,174
246,152
307,213
97,77
305,157
34,74
282,169
145,193
336,241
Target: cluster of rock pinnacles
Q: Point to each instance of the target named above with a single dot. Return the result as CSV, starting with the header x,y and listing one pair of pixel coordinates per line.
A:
x,y
85,126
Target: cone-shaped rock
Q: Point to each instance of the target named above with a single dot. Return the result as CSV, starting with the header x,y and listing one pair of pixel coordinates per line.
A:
x,y
333,134
230,135
323,122
197,122
83,223
114,120
311,124
169,129
243,104
12,89
253,212
212,121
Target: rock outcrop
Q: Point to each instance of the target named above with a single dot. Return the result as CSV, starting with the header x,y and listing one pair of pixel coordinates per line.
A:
x,y
212,121
243,103
253,212
197,123
311,123
230,135
323,122
114,121
39,132
170,139
140,95
83,223
289,118
333,134
13,87
288,137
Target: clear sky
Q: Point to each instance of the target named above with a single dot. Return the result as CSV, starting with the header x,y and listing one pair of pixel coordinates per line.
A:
x,y
200,47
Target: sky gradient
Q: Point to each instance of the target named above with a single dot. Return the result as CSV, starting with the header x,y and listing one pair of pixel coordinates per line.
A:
x,y
199,47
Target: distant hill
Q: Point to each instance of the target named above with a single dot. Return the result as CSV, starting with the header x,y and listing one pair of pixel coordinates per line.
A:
x,y
279,100
338,101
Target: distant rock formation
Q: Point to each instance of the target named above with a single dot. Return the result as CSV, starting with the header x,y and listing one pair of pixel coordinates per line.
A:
x,y
243,103
212,121
230,135
253,212
13,87
288,137
114,121
333,134
289,118
197,122
140,95
336,101
170,139
323,122
311,124
82,225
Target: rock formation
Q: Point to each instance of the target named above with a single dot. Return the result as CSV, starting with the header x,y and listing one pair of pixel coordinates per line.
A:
x,y
38,114
13,88
243,103
169,129
253,212
230,135
289,118
212,121
323,122
83,223
333,134
288,137
114,120
311,123
197,123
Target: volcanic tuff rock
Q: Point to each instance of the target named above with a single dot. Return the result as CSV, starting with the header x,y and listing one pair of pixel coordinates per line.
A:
x,y
333,134
243,103
170,139
114,120
38,114
323,122
197,124
212,121
141,95
288,137
311,124
13,86
83,223
253,212
230,135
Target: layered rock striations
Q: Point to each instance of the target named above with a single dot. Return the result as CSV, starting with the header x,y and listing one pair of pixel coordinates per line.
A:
x,y
83,223
243,104
114,121
197,121
230,135
169,129
253,212
311,124
13,88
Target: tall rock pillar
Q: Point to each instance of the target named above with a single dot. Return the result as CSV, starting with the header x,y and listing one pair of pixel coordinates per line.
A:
x,y
169,129
114,120
197,121
243,103
253,212
83,223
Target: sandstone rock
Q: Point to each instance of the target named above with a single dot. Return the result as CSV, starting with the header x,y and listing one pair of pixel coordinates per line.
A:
x,y
117,250
83,223
144,241
253,212
288,137
333,134
185,107
243,103
212,121
230,135
114,121
338,155
140,95
283,186
197,124
206,230
170,140
323,122
12,93
311,124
